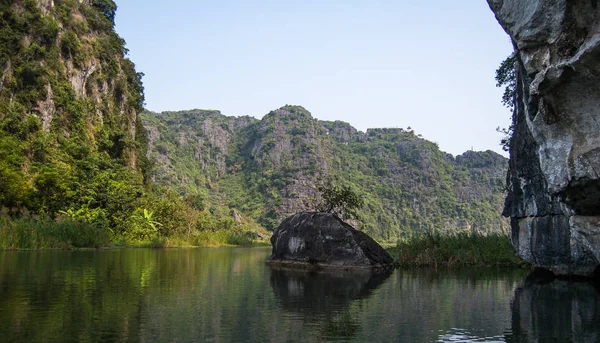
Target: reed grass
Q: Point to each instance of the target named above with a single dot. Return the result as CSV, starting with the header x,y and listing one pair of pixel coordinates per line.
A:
x,y
460,249
31,233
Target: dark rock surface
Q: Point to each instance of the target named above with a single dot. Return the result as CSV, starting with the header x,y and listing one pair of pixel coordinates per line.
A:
x,y
555,311
324,292
554,168
322,239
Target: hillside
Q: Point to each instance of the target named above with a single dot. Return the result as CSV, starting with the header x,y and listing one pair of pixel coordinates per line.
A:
x,y
73,164
267,169
69,100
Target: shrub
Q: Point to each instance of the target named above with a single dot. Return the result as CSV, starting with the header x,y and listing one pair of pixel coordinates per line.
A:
x,y
339,199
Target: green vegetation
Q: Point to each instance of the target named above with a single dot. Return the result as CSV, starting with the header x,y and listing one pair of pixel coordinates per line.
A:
x,y
338,199
458,249
73,230
63,233
506,76
75,154
267,169
73,165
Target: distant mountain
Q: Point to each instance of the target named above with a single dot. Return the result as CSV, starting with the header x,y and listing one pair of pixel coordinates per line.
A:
x,y
267,169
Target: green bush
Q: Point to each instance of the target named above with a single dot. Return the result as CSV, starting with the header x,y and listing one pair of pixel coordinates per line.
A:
x,y
107,7
143,225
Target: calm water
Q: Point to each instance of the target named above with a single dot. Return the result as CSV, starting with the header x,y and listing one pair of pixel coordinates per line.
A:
x,y
230,295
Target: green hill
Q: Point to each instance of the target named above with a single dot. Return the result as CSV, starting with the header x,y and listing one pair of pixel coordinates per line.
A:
x,y
267,169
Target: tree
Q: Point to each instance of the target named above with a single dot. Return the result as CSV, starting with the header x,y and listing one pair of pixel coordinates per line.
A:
x,y
339,199
107,7
506,77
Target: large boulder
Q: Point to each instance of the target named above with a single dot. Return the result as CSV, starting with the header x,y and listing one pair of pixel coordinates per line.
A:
x,y
324,240
554,168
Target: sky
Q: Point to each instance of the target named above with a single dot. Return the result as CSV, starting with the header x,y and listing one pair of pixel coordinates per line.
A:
x,y
428,65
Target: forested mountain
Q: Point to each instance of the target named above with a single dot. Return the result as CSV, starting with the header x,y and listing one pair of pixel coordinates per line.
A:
x,y
267,169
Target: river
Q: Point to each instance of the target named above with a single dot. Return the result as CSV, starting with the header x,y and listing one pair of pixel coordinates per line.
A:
x,y
230,295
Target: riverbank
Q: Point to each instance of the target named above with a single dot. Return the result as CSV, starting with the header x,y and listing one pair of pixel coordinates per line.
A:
x,y
39,234
464,249
461,249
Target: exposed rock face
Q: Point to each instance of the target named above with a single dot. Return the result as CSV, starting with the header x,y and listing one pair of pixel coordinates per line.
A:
x,y
554,180
204,136
322,239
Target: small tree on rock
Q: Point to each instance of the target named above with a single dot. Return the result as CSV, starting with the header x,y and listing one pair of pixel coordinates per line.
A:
x,y
506,76
337,198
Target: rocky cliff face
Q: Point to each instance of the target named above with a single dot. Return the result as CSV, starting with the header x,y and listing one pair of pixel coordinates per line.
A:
x,y
69,99
554,170
64,67
202,137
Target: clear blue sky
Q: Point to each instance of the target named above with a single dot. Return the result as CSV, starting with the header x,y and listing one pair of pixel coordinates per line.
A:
x,y
389,63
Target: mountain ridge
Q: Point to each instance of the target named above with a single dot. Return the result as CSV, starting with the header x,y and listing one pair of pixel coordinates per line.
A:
x,y
267,168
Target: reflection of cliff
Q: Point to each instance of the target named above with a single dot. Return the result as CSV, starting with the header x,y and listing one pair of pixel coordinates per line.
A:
x,y
556,311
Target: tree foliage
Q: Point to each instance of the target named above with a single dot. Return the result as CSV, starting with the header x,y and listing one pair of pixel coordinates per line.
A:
x,y
107,7
338,198
506,77
82,166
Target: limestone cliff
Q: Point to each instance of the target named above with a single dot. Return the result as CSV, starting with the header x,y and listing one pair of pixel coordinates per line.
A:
x,y
69,99
554,169
64,70
267,169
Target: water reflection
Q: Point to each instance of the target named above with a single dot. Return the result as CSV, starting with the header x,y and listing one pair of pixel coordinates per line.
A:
x,y
230,295
555,311
322,298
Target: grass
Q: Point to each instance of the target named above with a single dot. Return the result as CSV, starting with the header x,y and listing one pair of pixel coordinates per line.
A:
x,y
460,249
30,233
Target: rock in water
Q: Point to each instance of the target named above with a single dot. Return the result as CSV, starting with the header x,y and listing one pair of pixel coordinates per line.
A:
x,y
324,240
554,168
